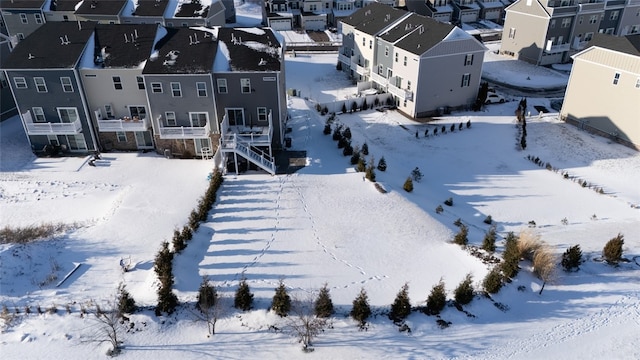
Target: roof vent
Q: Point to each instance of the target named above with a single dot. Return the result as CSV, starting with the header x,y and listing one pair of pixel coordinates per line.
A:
x,y
169,62
262,62
64,40
31,56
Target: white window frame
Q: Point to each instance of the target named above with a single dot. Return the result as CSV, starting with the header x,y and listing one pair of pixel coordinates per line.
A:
x,y
38,18
408,84
117,82
593,19
405,61
41,84
156,87
170,118
222,86
396,57
552,25
588,36
140,81
263,114
196,116
466,80
614,15
386,51
20,82
245,85
176,89
67,86
38,115
121,136
616,78
566,22
201,88
468,60
23,18
638,83
108,111
69,110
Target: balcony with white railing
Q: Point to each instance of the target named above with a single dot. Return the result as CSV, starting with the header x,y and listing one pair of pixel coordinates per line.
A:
x,y
185,132
557,48
379,79
252,134
344,59
124,124
49,128
401,93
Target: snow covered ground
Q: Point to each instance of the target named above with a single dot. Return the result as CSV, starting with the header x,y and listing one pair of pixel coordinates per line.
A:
x,y
325,223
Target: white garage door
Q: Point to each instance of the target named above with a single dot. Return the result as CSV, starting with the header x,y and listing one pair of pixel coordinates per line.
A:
x,y
280,25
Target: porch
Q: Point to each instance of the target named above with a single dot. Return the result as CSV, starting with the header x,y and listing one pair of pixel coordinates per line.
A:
x,y
49,128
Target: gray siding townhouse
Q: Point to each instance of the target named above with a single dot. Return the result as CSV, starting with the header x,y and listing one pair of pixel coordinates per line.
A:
x,y
178,80
603,93
111,73
546,32
61,10
186,13
146,12
22,17
250,94
101,11
465,11
428,66
43,74
440,10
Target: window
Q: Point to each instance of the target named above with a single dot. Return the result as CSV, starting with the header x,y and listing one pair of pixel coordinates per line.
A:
x,y
66,84
20,36
38,18
370,44
122,136
23,18
38,115
580,20
466,79
170,118
140,81
245,85
593,19
201,87
176,90
198,119
405,61
614,15
108,111
616,78
262,114
638,83
588,36
468,60
552,24
363,40
20,82
222,86
560,39
512,33
156,87
68,115
117,82
609,31
41,86
396,57
386,51
380,69
235,115
566,22
408,84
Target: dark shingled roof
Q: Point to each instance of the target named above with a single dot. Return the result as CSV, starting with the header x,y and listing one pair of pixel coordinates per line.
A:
x,y
46,49
22,4
151,7
177,56
63,5
121,53
422,33
373,18
101,7
628,44
192,10
249,51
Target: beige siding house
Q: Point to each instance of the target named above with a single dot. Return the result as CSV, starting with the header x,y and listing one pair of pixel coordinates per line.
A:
x,y
603,94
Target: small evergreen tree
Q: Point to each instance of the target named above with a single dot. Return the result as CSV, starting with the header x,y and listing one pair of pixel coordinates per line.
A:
x,y
178,241
572,258
468,124
365,149
281,303
126,304
365,106
460,127
382,164
408,185
464,292
511,256
347,133
493,281
461,237
437,299
342,142
323,305
370,172
344,108
327,129
488,220
167,300
244,298
435,131
354,106
443,129
453,128
361,165
439,209
458,222
401,307
361,310
489,241
612,251
355,157
339,66
337,133
416,174
449,202
348,150
207,295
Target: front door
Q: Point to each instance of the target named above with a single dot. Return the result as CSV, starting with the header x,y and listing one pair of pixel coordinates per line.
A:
x,y
144,140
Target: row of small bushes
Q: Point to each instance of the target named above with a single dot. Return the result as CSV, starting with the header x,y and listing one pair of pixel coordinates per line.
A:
x,y
443,129
26,234
565,174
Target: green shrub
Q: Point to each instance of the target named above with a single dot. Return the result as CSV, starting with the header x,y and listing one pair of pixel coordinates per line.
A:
x,y
347,133
382,164
281,303
323,305
489,241
365,149
461,238
327,129
449,202
408,185
370,172
488,220
243,299
126,304
207,295
463,294
612,251
511,256
355,157
401,307
361,165
439,209
572,258
361,310
437,299
493,281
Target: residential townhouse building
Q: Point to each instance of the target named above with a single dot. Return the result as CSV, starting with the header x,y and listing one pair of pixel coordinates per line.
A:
x,y
101,11
440,10
603,93
43,75
544,32
465,11
22,17
115,91
428,66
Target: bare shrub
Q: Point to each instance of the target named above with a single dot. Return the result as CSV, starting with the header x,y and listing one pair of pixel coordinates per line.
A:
x,y
107,326
304,324
612,251
23,235
528,243
544,264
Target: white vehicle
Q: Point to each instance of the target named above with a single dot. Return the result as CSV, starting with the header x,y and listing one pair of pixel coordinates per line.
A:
x,y
493,98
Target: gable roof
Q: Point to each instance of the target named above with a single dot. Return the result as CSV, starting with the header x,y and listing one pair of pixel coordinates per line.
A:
x,y
417,33
123,45
22,4
183,51
249,49
47,46
150,7
190,8
64,5
101,7
628,44
373,18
